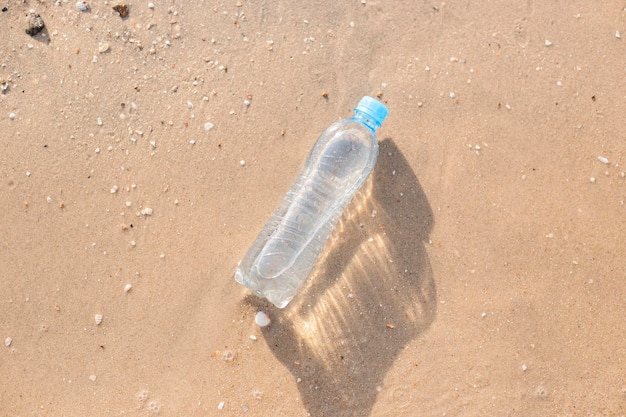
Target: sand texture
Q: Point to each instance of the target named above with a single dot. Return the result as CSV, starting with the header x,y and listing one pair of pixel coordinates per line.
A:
x,y
479,272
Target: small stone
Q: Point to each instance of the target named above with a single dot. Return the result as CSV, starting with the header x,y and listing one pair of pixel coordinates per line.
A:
x,y
153,144
35,24
221,405
12,116
246,103
262,319
548,43
82,6
592,180
208,126
92,378
242,163
603,160
252,337
8,341
121,9
49,199
98,318
617,34
146,211
127,287
452,95
524,367
103,47
114,189
150,5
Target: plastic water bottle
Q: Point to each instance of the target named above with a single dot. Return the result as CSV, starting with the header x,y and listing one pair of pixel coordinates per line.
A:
x,y
282,256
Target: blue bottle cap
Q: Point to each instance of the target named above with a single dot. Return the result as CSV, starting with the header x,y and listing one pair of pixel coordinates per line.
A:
x,y
373,108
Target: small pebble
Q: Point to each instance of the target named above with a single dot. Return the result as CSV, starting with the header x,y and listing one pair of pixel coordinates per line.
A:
x,y
524,367
603,160
252,337
103,47
221,405
617,34
452,95
592,180
49,200
8,341
548,43
82,6
114,189
12,116
129,203
92,378
35,24
153,144
242,163
127,287
246,103
147,211
98,318
208,126
150,5
261,319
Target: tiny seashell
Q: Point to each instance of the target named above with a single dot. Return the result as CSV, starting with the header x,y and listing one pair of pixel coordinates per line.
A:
x,y
262,319
82,6
98,318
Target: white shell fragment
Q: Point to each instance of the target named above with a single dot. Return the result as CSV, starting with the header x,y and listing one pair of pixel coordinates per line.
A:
x,y
98,318
603,160
147,211
261,319
92,378
127,287
208,126
82,6
8,341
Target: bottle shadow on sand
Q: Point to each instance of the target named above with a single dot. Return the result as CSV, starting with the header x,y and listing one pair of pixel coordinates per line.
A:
x,y
370,294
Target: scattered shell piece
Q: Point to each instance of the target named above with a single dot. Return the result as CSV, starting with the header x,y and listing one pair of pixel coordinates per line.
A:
x,y
246,103
146,211
12,116
617,34
221,405
153,144
8,341
103,47
127,287
252,337
524,367
49,199
98,318
114,189
261,319
548,43
452,95
35,24
208,126
92,378
603,160
242,163
150,5
592,180
82,6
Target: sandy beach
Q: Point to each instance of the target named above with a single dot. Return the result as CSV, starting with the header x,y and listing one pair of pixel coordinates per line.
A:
x,y
479,272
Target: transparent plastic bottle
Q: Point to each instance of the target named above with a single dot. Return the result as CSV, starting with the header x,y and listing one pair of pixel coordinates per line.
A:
x,y
282,256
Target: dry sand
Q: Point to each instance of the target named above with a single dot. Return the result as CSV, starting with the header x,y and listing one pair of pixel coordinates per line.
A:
x,y
480,272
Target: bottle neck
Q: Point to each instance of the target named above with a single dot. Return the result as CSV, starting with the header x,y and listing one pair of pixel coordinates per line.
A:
x,y
366,120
